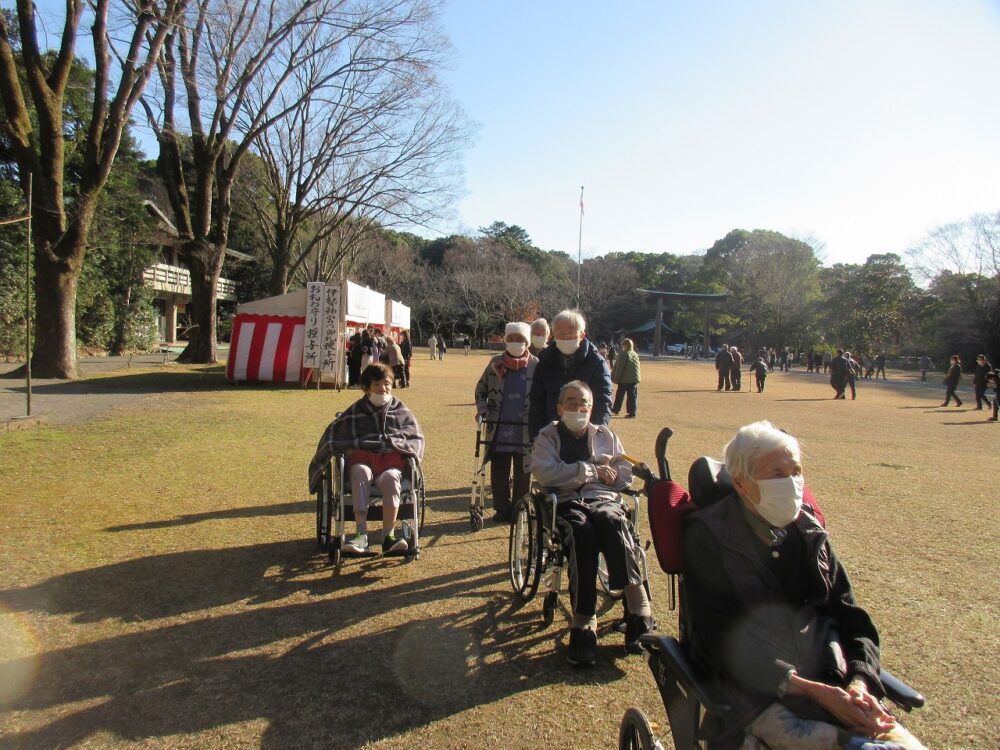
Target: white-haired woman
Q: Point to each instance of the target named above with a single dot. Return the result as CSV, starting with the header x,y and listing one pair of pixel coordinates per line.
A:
x,y
502,401
772,615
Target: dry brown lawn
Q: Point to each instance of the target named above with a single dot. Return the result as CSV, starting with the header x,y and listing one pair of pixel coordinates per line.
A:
x,y
160,585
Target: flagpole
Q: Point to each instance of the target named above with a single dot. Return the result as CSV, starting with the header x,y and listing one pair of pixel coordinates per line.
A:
x,y
579,251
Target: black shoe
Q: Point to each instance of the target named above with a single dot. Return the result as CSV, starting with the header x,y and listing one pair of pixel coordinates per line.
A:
x,y
582,651
944,404
392,545
635,626
499,517
630,416
959,403
615,413
992,419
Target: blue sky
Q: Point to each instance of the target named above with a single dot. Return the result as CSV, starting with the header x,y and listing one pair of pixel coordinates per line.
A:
x,y
862,124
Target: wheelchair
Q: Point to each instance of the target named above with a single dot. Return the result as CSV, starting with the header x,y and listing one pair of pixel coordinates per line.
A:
x,y
537,550
480,481
334,508
692,701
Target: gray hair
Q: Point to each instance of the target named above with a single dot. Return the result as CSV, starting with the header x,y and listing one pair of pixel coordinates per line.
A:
x,y
542,323
571,316
753,441
576,385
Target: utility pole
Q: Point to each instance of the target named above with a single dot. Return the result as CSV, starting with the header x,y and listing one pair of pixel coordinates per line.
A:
x,y
579,251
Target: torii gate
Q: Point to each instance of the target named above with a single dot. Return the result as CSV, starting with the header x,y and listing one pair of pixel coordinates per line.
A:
x,y
708,299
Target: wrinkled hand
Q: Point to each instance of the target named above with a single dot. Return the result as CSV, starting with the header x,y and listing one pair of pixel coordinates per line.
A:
x,y
858,690
858,715
607,475
857,709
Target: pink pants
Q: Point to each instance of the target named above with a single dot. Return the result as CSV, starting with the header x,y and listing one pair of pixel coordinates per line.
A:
x,y
389,482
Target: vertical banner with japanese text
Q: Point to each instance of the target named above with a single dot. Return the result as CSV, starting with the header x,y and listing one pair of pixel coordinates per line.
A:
x,y
330,348
311,354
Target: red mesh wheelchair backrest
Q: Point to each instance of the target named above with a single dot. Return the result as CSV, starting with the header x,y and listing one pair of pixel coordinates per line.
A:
x,y
667,506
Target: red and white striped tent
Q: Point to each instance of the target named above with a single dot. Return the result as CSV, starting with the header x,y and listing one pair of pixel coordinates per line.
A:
x,y
270,336
267,341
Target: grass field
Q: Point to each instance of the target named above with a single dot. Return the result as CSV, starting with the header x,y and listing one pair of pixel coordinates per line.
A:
x,y
160,585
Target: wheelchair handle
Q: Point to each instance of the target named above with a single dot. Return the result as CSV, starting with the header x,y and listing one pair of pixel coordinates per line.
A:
x,y
660,449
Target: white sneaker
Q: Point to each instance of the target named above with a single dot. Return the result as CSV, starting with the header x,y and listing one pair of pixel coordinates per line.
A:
x,y
358,545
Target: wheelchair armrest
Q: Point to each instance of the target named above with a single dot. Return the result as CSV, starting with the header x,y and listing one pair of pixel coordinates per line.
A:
x,y
676,661
900,693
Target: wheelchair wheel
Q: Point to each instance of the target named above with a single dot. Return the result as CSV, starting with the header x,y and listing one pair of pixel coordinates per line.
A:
x,y
476,519
524,550
635,732
324,510
604,578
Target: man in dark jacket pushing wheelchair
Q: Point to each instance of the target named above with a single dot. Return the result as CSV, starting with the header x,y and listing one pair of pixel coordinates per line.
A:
x,y
771,613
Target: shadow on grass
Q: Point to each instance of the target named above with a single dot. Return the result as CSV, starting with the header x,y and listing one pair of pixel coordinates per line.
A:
x,y
291,667
967,424
308,505
252,511
206,379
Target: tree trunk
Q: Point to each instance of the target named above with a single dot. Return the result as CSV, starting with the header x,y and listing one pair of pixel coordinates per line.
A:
x,y
54,350
279,277
201,348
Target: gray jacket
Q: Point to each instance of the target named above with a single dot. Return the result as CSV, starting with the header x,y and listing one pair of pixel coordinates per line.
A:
x,y
579,479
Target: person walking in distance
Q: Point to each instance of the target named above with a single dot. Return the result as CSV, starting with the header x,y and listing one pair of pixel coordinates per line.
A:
x,y
995,376
979,378
626,376
838,374
724,365
759,370
735,371
880,365
853,370
432,344
951,381
924,365
442,347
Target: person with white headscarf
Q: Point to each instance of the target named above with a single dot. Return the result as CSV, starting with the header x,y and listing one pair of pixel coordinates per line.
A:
x,y
502,402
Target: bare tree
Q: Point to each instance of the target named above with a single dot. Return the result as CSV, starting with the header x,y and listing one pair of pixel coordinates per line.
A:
x,y
967,255
60,229
225,55
367,131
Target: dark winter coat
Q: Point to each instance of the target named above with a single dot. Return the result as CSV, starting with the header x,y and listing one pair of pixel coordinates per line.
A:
x,y
745,629
954,376
555,370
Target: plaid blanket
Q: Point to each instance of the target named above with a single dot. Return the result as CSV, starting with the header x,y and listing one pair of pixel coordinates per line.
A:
x,y
361,425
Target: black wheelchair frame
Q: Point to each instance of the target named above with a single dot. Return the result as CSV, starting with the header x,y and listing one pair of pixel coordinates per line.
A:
x,y
690,698
536,548
333,508
480,483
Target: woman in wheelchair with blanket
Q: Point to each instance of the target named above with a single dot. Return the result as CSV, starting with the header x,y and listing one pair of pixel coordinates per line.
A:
x,y
771,613
378,432
585,465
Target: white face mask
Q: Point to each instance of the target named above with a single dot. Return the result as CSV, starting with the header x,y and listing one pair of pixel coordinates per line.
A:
x,y
575,420
516,348
568,346
380,399
780,500
539,342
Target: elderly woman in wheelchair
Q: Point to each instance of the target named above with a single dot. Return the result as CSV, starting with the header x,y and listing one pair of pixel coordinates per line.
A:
x,y
584,464
381,438
771,615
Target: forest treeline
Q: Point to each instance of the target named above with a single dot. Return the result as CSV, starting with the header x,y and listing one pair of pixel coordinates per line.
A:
x,y
326,131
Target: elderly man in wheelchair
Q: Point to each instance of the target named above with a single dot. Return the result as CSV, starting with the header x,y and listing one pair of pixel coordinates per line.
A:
x,y
771,614
585,465
378,433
